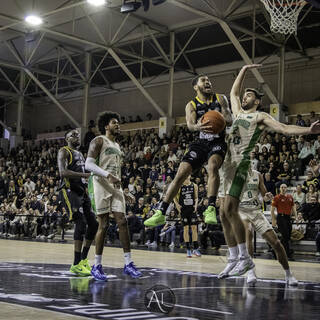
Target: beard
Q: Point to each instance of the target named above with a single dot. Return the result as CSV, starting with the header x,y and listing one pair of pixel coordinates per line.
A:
x,y
247,106
206,92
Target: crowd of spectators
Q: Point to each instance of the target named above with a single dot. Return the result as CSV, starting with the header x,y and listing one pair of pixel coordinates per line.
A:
x,y
29,182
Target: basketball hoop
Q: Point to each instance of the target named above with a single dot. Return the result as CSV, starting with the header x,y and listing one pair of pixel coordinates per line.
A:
x,y
284,14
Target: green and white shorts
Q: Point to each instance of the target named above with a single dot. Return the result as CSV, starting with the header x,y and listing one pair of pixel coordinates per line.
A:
x,y
105,198
257,218
235,177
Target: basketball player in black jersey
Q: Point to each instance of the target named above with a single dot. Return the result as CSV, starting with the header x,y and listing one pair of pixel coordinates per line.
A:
x,y
186,203
208,147
74,197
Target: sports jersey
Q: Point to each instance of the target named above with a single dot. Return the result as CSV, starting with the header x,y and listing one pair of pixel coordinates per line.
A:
x,y
250,199
201,108
76,163
186,195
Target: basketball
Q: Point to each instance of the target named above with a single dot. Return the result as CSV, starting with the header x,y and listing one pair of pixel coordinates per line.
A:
x,y
216,119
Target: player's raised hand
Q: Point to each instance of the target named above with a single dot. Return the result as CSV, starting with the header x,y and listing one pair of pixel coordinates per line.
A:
x,y
203,126
315,128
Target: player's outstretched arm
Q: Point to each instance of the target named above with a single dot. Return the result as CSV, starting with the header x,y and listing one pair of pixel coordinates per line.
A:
x,y
236,88
274,125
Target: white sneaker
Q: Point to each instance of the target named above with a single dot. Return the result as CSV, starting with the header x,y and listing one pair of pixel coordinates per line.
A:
x,y
153,244
251,278
317,254
171,245
230,265
291,280
147,243
244,264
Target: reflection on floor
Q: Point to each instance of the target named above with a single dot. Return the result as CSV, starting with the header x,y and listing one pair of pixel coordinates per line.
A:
x,y
197,295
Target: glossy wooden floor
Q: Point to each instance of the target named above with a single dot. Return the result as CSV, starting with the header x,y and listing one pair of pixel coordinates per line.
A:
x,y
61,254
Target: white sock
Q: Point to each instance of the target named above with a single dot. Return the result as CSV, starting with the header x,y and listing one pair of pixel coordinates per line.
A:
x,y
252,272
97,259
127,258
288,273
233,251
243,251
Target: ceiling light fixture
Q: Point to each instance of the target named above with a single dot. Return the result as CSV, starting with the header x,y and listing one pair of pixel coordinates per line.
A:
x,y
33,20
97,3
129,6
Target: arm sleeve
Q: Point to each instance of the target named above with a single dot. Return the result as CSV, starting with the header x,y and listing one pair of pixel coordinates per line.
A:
x,y
92,167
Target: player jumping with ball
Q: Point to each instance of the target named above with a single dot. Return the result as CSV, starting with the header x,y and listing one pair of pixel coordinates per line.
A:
x,y
208,147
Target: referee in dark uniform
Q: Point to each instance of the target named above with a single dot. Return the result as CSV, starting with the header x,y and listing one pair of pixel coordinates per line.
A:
x,y
285,206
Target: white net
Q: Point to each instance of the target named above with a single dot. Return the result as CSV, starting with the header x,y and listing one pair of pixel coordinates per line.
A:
x,y
284,14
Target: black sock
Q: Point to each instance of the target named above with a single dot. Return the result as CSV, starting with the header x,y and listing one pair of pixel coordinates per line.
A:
x,y
77,258
212,201
195,245
163,207
84,253
188,245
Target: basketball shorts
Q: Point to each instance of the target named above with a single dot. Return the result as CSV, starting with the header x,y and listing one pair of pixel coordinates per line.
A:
x,y
257,218
235,176
188,216
75,204
105,198
198,153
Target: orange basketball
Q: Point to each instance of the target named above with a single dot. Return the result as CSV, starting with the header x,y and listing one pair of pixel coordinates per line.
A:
x,y
216,119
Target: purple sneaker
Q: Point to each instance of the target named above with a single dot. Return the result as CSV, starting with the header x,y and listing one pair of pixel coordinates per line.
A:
x,y
131,270
98,273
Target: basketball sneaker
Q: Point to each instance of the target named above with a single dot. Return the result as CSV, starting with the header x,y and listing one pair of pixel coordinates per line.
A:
x,y
131,270
86,265
156,220
291,280
210,216
251,278
79,270
98,274
189,254
230,265
244,264
196,253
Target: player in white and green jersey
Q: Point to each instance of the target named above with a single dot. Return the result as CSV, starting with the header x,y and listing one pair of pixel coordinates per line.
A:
x,y
244,134
107,197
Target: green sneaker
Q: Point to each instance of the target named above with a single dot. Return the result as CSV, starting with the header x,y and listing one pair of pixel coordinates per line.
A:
x,y
79,270
210,216
86,265
156,220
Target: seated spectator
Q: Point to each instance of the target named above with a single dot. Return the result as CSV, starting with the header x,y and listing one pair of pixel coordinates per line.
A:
x,y
306,154
134,224
299,196
270,185
311,211
299,228
138,208
168,232
284,177
313,117
300,122
312,193
29,186
172,158
311,179
254,161
317,143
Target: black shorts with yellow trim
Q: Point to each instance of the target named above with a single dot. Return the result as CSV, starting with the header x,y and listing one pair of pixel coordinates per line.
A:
x,y
188,216
198,153
75,204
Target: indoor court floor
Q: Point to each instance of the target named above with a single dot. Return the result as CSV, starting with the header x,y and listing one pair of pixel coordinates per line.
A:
x,y
35,284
